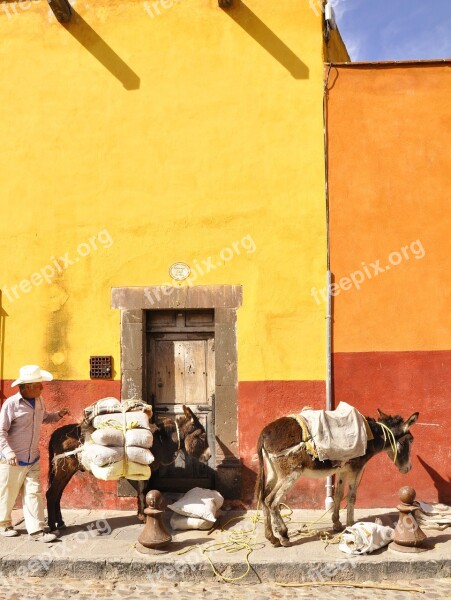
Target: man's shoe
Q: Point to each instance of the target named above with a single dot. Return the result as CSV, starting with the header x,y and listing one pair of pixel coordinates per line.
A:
x,y
40,536
8,532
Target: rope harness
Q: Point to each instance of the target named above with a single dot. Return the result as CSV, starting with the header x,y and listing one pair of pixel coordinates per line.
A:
x,y
391,438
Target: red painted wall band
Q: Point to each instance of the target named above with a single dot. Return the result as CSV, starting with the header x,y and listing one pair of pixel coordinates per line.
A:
x,y
396,382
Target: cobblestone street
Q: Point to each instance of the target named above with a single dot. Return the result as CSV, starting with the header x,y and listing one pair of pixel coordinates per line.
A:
x,y
61,589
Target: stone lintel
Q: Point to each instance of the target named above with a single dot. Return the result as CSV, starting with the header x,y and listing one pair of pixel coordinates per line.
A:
x,y
167,297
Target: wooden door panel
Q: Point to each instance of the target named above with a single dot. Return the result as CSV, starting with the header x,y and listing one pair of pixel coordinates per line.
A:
x,y
165,373
210,371
195,372
181,370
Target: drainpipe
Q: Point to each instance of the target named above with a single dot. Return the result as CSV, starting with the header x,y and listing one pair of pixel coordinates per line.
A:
x,y
329,482
329,502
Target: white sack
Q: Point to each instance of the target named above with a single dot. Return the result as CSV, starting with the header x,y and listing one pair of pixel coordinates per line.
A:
x,y
184,523
102,455
134,471
116,420
363,538
139,437
200,503
108,436
143,456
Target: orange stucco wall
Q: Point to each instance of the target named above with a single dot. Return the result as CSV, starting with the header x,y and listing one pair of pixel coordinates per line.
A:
x,y
388,170
389,167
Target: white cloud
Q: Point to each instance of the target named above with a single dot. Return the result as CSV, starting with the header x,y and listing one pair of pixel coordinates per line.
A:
x,y
341,7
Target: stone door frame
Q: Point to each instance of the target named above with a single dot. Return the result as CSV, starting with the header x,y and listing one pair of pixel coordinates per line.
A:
x,y
133,302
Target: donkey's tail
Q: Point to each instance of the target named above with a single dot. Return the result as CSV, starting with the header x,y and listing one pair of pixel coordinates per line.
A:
x,y
261,478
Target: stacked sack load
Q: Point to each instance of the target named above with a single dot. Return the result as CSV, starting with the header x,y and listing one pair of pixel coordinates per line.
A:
x,y
118,439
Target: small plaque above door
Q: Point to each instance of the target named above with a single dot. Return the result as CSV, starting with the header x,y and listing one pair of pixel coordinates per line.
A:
x,y
179,271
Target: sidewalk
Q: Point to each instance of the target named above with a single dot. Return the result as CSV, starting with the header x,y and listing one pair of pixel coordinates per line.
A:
x,y
101,545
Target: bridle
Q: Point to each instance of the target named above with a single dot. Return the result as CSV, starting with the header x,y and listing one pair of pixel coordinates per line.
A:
x,y
391,438
177,452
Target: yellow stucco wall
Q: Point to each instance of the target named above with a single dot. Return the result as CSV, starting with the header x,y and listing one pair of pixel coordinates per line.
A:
x,y
169,137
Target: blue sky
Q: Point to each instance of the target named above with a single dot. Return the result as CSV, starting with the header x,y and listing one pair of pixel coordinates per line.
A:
x,y
376,30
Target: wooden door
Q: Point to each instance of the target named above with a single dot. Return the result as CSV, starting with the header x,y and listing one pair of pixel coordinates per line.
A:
x,y
181,370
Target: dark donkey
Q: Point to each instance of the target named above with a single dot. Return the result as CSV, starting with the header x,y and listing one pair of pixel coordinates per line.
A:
x,y
280,445
169,437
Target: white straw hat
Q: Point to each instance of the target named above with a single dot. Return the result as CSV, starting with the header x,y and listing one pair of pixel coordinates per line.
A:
x,y
32,374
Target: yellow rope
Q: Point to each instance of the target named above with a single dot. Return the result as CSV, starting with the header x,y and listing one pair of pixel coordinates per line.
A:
x,y
114,423
391,439
237,540
376,586
243,539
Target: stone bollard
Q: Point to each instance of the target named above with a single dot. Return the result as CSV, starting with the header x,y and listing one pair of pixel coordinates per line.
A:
x,y
408,536
154,536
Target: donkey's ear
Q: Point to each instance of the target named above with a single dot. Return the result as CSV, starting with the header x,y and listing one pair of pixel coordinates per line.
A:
x,y
382,415
410,421
188,412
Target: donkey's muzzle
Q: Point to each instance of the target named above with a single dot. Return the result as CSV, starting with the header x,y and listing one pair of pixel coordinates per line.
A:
x,y
205,456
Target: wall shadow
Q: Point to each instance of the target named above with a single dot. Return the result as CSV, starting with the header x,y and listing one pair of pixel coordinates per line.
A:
x,y
3,315
261,33
89,39
442,485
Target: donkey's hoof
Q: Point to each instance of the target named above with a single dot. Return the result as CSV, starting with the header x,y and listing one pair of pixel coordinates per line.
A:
x,y
275,542
338,527
285,542
141,517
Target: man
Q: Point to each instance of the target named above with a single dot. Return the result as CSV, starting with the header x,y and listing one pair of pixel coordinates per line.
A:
x,y
21,418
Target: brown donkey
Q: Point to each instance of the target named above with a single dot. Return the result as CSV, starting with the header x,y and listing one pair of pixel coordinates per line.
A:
x,y
169,437
281,447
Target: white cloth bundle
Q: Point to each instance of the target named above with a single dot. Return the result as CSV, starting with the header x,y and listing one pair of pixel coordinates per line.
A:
x,y
108,436
143,456
339,434
139,437
102,455
433,515
363,538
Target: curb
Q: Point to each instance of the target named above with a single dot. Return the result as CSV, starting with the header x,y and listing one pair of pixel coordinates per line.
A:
x,y
158,569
